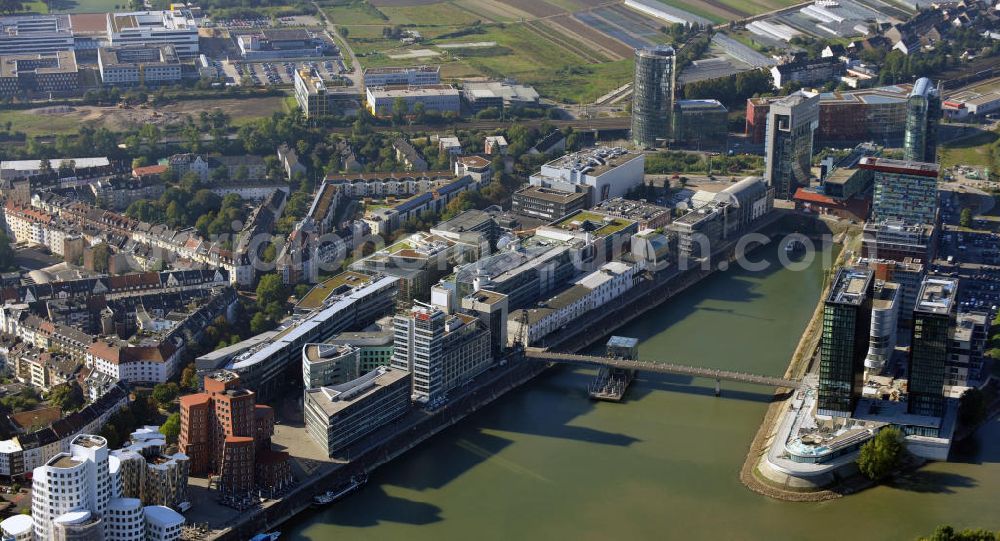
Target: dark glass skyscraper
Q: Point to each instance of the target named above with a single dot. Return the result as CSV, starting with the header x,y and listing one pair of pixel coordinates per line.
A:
x,y
653,95
847,315
791,122
923,111
933,317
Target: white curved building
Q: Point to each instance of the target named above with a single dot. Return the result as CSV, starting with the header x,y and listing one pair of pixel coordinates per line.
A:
x,y
882,338
77,495
17,527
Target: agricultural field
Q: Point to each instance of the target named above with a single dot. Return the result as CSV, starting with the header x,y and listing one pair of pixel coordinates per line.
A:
x,y
570,50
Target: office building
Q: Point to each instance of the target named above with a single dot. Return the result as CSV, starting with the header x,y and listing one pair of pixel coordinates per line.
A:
x,y
933,318
35,34
894,239
262,364
311,93
871,114
498,95
406,76
139,65
720,216
34,74
547,203
653,95
279,43
907,274
923,111
491,308
791,122
339,415
324,365
439,350
225,432
969,338
700,125
905,191
383,100
374,347
605,172
154,28
648,215
882,337
847,313
77,495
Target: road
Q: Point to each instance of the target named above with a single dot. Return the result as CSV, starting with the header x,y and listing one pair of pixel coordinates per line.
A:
x,y
356,76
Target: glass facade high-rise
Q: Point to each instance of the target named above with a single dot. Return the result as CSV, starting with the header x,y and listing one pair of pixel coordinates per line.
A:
x,y
933,317
653,95
847,315
791,122
923,111
905,191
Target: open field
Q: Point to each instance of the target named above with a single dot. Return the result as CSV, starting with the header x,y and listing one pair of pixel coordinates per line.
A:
x,y
67,120
974,151
441,14
87,6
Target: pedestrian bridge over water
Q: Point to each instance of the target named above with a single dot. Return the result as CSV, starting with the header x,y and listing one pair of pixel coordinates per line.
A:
x,y
543,355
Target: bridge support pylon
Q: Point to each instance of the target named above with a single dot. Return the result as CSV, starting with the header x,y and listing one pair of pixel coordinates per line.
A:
x,y
718,387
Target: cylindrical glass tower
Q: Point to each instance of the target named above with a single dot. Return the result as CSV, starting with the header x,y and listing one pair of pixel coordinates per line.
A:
x,y
653,95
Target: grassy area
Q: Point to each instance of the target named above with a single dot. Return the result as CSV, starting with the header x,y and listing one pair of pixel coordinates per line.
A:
x,y
34,124
974,151
442,14
35,7
88,6
346,13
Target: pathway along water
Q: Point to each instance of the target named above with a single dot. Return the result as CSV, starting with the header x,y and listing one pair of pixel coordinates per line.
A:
x,y
546,462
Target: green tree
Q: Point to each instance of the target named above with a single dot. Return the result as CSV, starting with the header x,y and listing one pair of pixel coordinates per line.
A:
x,y
260,323
270,290
67,396
947,533
882,454
6,253
965,219
189,377
110,433
171,428
165,393
102,256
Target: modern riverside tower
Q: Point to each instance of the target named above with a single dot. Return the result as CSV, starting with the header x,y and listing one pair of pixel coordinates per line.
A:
x,y
933,318
653,95
847,314
923,110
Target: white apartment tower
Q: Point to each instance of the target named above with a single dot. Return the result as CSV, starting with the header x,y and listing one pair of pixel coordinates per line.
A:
x,y
76,495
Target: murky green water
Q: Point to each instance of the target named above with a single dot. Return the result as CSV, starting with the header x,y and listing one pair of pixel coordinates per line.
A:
x,y
546,463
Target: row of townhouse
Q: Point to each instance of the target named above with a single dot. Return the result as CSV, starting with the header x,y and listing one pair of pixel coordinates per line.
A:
x,y
170,243
23,453
112,287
